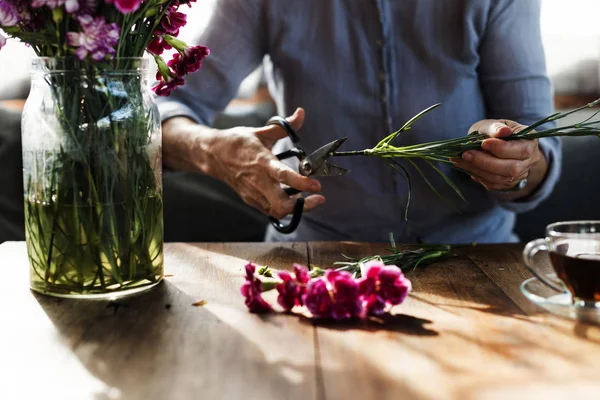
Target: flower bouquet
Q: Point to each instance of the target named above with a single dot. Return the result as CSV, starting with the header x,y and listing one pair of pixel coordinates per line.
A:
x,y
92,139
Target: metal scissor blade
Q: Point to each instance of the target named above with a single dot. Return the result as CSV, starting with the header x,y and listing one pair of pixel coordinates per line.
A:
x,y
316,163
329,169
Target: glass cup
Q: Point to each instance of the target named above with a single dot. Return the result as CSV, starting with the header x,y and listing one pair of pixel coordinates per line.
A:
x,y
574,248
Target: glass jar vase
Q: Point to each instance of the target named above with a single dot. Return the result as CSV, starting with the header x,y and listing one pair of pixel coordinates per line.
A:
x,y
92,173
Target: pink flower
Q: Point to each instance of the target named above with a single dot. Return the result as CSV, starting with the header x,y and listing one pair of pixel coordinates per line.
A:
x,y
2,41
125,6
318,299
381,286
167,85
9,15
334,296
302,279
346,301
292,289
189,61
71,6
98,39
288,291
158,45
251,290
173,21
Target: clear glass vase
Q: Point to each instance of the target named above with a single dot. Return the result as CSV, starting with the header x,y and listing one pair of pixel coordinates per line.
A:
x,y
93,179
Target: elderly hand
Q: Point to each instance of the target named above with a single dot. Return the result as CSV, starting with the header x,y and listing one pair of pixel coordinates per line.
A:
x,y
242,158
501,165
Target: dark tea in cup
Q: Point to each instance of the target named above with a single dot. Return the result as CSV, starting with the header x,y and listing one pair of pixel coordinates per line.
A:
x,y
579,272
574,249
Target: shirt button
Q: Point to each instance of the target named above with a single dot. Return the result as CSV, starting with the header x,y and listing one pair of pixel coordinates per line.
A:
x,y
384,99
382,76
379,43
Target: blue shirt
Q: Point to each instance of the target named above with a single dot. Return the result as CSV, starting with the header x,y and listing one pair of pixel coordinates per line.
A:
x,y
361,69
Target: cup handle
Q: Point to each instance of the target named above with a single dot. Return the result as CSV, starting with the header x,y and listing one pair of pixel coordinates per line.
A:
x,y
531,249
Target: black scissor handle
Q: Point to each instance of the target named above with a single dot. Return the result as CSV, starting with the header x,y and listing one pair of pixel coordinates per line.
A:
x,y
289,129
298,208
298,153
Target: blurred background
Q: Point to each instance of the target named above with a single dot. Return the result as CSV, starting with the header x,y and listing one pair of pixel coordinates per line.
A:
x,y
571,35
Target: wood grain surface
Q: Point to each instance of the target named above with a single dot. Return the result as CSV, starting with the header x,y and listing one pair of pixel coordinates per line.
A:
x,y
466,332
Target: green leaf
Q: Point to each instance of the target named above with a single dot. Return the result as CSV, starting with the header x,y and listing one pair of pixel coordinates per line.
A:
x,y
448,180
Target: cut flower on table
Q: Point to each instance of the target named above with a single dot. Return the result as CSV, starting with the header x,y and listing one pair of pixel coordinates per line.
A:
x,y
335,295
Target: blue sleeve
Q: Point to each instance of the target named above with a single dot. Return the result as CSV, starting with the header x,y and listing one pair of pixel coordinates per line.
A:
x,y
515,82
236,41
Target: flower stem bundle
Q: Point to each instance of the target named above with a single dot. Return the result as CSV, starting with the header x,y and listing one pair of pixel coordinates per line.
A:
x,y
444,150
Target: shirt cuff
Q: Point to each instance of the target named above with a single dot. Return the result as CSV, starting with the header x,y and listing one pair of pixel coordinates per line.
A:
x,y
553,157
171,109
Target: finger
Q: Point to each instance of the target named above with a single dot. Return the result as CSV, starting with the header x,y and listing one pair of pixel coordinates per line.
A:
x,y
284,174
514,149
499,184
275,132
496,128
312,202
494,165
483,175
297,119
281,204
258,201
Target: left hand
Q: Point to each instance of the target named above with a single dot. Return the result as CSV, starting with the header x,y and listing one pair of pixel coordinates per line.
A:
x,y
501,165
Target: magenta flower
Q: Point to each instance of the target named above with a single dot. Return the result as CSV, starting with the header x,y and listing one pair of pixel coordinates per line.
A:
x,y
70,5
382,286
2,41
188,61
394,285
173,21
98,39
127,6
9,15
251,290
292,289
288,291
302,278
346,301
167,85
158,45
317,298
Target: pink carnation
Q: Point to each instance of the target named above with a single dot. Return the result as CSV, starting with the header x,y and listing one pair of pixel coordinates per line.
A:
x,y
158,45
97,40
173,21
190,61
9,15
381,286
125,6
167,85
2,41
252,289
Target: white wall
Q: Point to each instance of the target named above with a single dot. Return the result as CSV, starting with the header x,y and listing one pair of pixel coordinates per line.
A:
x,y
571,34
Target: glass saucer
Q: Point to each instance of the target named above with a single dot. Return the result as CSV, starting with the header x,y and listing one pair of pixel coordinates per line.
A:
x,y
560,304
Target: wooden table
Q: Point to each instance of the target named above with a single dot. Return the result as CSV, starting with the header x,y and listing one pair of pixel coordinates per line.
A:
x,y
466,332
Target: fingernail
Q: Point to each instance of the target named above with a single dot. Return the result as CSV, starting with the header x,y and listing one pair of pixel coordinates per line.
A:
x,y
316,187
486,145
467,156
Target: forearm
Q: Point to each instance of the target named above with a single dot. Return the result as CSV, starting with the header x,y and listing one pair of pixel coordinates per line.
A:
x,y
185,144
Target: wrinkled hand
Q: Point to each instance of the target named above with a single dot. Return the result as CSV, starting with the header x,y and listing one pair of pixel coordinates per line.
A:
x,y
242,157
501,165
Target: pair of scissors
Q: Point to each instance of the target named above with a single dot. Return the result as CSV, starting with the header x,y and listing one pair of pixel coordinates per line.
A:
x,y
315,164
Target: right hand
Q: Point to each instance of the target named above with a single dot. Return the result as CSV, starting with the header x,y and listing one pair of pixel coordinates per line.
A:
x,y
242,158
